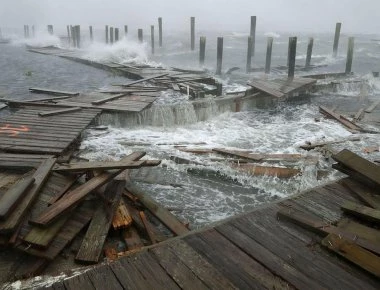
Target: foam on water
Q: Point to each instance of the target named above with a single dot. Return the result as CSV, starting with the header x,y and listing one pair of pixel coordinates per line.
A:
x,y
41,39
272,34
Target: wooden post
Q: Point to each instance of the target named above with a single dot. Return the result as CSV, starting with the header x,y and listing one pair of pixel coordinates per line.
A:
x,y
309,52
73,35
152,37
292,56
202,50
253,33
116,34
27,31
350,54
33,31
249,55
219,56
268,59
91,34
336,38
77,32
106,34
50,29
160,31
68,34
192,32
125,30
140,35
24,31
111,35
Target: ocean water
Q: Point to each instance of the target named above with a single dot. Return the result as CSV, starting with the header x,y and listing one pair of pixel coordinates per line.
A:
x,y
209,189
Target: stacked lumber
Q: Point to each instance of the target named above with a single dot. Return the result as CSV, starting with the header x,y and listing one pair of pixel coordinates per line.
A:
x,y
44,209
356,237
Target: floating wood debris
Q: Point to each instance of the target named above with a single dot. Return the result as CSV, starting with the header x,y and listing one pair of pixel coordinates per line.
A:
x,y
343,120
311,146
257,170
52,92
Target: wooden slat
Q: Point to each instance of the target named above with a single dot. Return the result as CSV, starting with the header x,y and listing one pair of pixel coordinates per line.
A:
x,y
360,230
364,212
361,257
321,144
93,242
344,121
354,162
107,99
148,228
103,278
59,112
256,170
18,213
52,92
132,239
235,153
12,196
366,194
84,166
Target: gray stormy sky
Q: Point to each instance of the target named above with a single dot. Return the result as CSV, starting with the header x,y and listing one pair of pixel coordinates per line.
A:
x,y
358,16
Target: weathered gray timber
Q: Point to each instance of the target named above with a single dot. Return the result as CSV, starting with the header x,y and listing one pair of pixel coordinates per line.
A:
x,y
106,34
192,33
202,50
309,52
125,30
249,55
140,35
152,38
219,56
50,29
350,54
78,37
292,56
91,34
253,33
268,58
116,34
111,35
336,38
160,31
68,34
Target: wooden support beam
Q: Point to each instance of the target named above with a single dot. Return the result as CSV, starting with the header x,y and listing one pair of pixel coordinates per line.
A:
x,y
219,56
338,26
268,55
148,228
309,52
364,212
116,34
10,199
202,50
91,34
292,56
166,217
58,112
111,35
140,35
99,165
249,55
125,30
106,34
93,242
52,92
350,54
252,33
16,216
192,33
344,121
152,38
355,254
160,31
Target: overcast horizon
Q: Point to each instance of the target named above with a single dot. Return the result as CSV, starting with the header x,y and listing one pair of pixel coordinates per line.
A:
x,y
272,15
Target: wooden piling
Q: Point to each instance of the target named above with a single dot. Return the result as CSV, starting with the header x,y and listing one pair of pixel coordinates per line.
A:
x,y
202,50
77,34
292,56
192,32
27,31
140,35
33,31
50,29
68,35
219,56
268,59
249,55
160,31
24,31
116,34
91,34
309,52
111,35
125,30
152,37
106,34
73,36
253,33
336,38
350,54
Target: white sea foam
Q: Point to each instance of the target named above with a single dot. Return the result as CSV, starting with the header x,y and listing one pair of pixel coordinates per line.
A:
x,y
41,39
272,34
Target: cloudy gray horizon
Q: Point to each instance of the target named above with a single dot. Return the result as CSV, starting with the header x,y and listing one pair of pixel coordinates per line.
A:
x,y
218,15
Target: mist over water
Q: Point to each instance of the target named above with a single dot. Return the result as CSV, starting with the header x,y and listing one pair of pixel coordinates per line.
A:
x,y
208,190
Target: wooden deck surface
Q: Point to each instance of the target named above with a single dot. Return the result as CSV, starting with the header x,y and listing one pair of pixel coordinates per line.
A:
x,y
256,250
26,131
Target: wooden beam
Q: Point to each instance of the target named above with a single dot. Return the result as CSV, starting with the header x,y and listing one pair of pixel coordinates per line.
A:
x,y
372,107
58,112
11,197
107,99
366,194
148,228
235,153
93,242
256,170
364,212
144,80
85,166
78,194
165,216
344,121
52,92
40,176
352,252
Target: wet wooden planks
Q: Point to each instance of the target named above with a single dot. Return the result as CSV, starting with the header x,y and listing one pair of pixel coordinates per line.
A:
x,y
27,132
253,251
281,88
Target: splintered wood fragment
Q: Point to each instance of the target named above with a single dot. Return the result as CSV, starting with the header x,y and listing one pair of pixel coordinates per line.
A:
x,y
59,112
255,170
354,253
148,228
132,239
322,228
364,212
75,196
366,194
52,92
122,218
344,121
12,196
321,144
15,217
372,107
85,166
175,87
93,242
144,80
354,162
359,115
235,153
111,253
165,216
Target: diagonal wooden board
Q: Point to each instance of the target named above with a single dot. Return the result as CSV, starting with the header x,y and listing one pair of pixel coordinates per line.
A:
x,y
83,166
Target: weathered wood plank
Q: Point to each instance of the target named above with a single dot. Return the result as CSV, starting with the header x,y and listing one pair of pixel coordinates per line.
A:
x,y
103,278
344,121
372,107
238,154
107,99
52,92
84,166
321,144
257,170
360,230
78,282
59,112
19,212
132,239
366,194
13,195
348,250
364,212
93,242
148,228
161,213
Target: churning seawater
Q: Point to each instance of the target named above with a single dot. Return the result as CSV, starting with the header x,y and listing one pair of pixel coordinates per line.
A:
x,y
209,189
